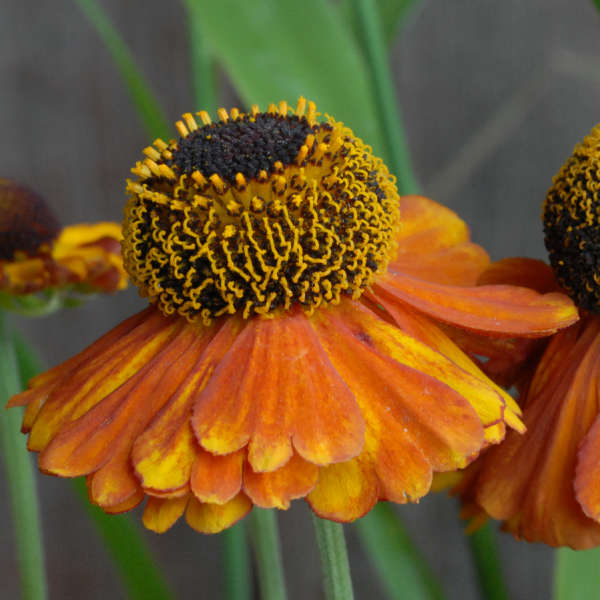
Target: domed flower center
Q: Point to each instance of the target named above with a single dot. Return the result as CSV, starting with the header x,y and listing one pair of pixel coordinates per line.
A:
x,y
257,212
26,221
572,223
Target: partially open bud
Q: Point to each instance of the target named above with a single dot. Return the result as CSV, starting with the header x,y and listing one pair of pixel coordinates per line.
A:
x,y
27,225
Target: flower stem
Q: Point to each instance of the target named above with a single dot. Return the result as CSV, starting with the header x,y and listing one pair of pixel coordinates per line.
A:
x,y
334,559
267,550
484,551
237,568
370,33
19,473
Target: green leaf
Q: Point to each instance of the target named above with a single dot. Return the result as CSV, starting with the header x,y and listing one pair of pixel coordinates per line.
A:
x,y
597,3
577,574
20,476
392,14
282,49
148,109
404,573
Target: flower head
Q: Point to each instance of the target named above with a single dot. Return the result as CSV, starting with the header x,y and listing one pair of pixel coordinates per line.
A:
x,y
544,484
37,256
294,345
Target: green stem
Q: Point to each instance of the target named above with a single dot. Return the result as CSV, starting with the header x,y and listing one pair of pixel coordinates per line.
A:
x,y
203,66
267,551
484,551
148,108
337,582
366,16
237,568
19,473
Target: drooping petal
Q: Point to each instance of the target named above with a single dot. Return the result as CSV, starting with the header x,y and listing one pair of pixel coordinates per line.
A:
x,y
119,418
276,384
587,474
163,456
424,329
41,385
495,310
84,387
114,482
161,514
528,479
276,489
217,479
388,341
415,422
212,518
433,244
522,272
345,491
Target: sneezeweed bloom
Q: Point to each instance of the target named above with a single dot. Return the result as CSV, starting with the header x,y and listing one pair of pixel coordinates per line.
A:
x,y
292,346
43,265
545,484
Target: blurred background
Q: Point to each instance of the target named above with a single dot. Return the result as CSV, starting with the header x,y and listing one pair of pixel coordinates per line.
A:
x,y
494,97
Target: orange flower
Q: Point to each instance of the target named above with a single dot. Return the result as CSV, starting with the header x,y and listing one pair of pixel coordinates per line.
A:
x,y
293,346
545,484
38,256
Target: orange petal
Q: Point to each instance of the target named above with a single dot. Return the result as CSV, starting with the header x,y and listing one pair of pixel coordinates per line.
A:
x,y
528,479
164,454
427,225
495,310
415,423
419,387
587,475
127,505
523,272
213,518
433,244
86,386
160,515
275,384
277,488
217,479
87,443
41,385
345,491
114,483
489,403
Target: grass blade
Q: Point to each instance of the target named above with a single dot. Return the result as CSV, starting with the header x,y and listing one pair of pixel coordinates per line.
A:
x,y
402,570
148,109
